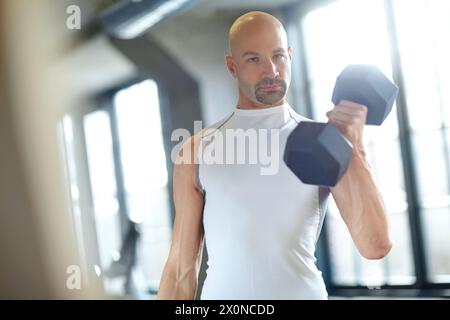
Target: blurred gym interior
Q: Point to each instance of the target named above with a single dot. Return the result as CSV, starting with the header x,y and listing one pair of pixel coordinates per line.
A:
x,y
91,91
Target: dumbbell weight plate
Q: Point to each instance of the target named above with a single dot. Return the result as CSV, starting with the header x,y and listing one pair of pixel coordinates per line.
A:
x,y
317,153
367,85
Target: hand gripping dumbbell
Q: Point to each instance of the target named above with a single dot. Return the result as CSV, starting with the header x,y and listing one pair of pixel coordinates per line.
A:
x,y
318,153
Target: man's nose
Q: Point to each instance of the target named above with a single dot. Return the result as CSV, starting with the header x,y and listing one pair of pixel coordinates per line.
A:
x,y
269,68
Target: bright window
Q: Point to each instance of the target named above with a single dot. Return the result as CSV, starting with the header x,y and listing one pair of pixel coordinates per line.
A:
x,y
143,161
348,32
423,33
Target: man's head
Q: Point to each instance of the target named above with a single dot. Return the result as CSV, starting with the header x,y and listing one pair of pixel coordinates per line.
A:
x,y
259,59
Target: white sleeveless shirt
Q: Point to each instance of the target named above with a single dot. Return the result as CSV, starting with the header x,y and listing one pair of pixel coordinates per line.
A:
x,y
260,229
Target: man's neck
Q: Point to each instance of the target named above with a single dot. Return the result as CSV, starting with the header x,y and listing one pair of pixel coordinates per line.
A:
x,y
253,105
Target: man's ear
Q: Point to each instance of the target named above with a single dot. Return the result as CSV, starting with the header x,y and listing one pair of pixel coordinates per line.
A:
x,y
290,52
230,65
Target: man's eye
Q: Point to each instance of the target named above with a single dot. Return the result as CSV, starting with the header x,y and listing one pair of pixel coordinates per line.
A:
x,y
279,56
253,59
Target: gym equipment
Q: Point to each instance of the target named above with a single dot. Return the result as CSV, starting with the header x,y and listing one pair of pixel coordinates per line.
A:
x,y
317,153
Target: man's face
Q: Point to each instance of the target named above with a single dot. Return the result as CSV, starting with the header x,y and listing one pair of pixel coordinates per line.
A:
x,y
262,65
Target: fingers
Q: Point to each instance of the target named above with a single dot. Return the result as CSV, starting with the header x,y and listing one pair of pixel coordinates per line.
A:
x,y
345,117
348,112
349,117
340,116
351,107
351,104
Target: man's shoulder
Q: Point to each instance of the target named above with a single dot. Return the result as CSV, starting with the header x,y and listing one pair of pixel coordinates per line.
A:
x,y
197,136
210,129
298,117
220,123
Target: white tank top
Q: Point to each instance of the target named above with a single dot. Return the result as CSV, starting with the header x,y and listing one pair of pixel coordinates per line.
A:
x,y
260,229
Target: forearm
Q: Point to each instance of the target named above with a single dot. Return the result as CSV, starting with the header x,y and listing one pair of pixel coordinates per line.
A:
x,y
179,280
362,208
176,288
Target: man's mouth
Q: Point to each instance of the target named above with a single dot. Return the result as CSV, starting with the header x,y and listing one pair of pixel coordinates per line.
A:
x,y
270,87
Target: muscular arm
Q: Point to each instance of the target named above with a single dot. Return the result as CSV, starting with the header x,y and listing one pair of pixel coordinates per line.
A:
x,y
179,278
357,196
362,208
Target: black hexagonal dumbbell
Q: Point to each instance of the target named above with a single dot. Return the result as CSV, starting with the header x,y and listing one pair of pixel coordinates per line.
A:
x,y
317,153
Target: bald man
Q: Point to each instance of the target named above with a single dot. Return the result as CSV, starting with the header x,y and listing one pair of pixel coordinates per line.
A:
x,y
261,230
